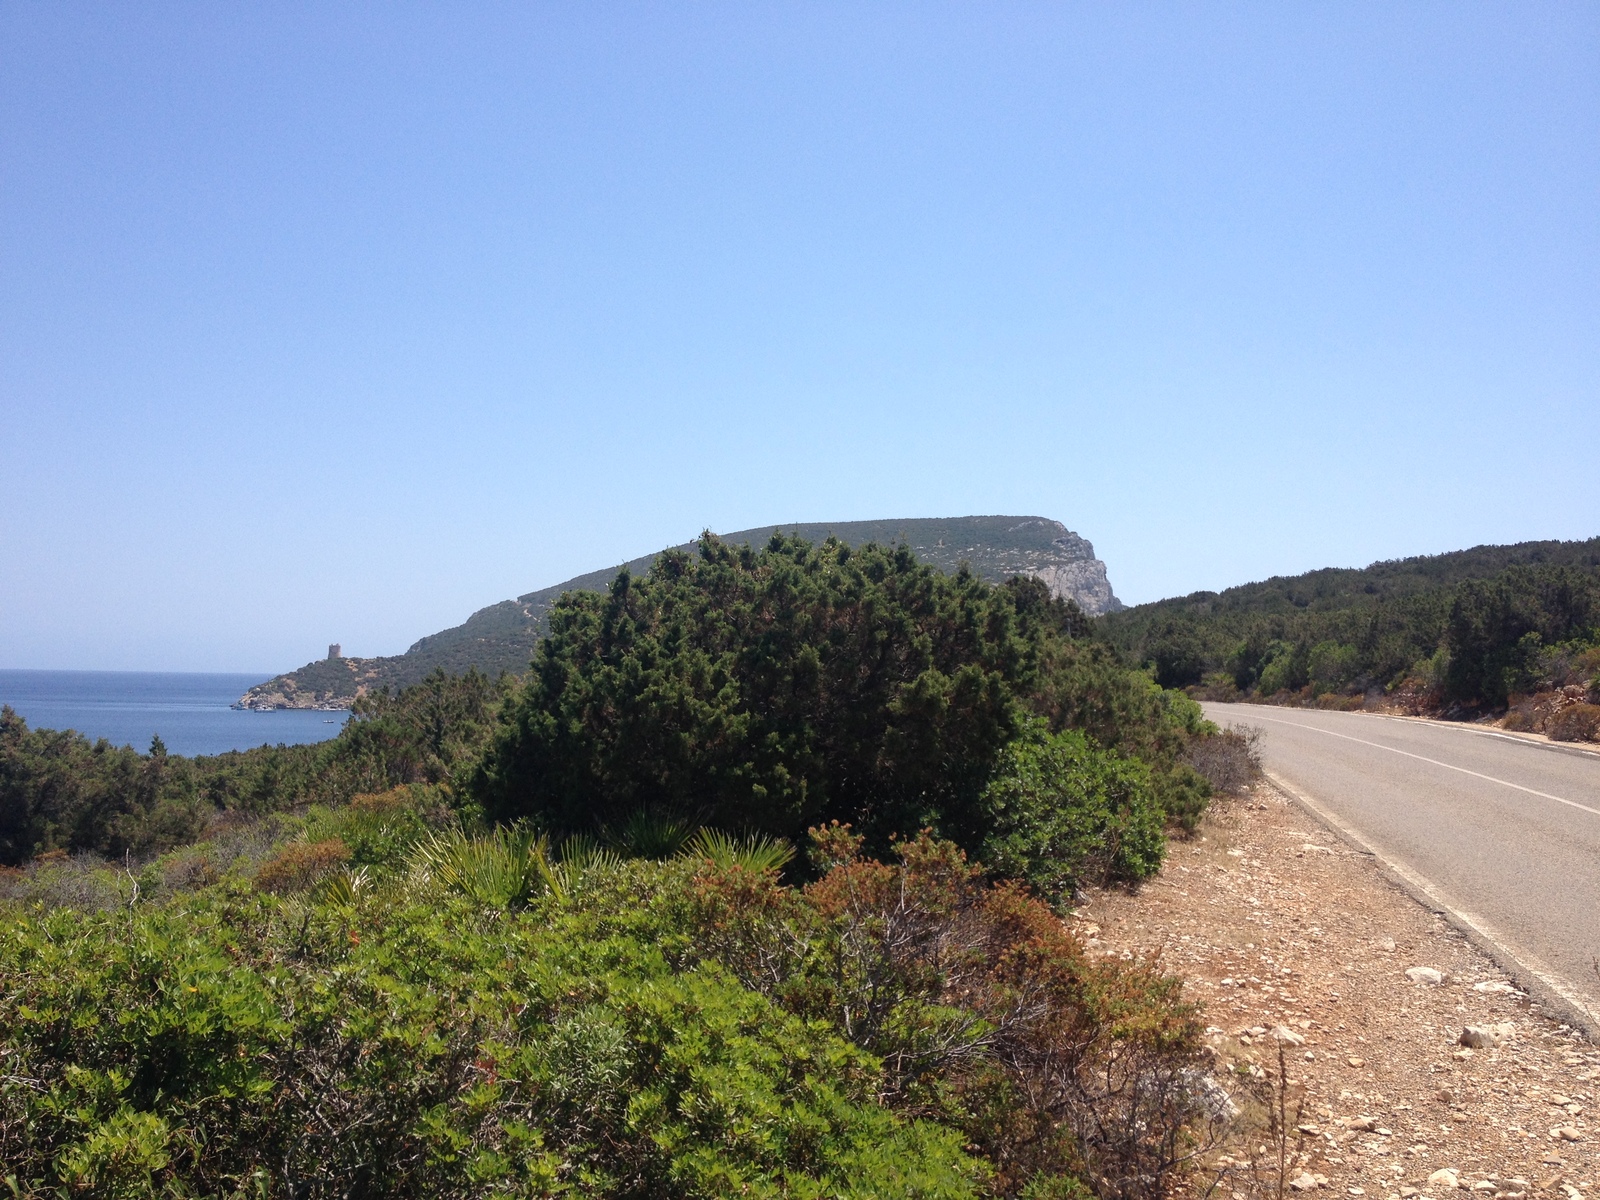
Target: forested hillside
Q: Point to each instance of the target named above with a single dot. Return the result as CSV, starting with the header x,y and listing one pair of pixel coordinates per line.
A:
x,y
1468,632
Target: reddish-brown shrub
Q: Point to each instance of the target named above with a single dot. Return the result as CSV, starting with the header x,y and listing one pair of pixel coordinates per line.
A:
x,y
1520,716
396,799
1339,702
1230,760
1575,723
300,864
983,1008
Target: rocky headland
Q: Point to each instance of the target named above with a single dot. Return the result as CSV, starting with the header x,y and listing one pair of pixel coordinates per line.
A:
x,y
502,636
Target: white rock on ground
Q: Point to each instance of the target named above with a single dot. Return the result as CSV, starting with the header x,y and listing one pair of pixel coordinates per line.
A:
x,y
1487,1037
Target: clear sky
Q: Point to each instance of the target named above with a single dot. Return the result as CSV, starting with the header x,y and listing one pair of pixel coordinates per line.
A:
x,y
334,322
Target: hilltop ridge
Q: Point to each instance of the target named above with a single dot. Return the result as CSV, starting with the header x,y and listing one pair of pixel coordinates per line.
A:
x,y
501,637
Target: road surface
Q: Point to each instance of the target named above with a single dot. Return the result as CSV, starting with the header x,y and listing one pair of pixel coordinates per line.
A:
x,y
1501,830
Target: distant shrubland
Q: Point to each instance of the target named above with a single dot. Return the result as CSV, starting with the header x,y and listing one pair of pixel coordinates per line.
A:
x,y
1479,631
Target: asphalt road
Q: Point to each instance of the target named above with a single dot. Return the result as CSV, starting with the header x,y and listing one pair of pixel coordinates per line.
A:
x,y
1502,830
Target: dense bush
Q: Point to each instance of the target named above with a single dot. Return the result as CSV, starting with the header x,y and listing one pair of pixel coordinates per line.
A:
x,y
989,1014
778,688
645,1029
1576,723
1062,812
300,864
1230,759
414,1050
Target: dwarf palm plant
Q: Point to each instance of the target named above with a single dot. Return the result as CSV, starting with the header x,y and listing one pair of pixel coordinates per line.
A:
x,y
753,852
508,866
501,869
649,834
345,888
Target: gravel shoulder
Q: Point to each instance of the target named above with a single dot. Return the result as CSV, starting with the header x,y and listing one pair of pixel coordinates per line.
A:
x,y
1287,937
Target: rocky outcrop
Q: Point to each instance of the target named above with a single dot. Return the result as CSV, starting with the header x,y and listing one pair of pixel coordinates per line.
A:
x,y
995,548
1005,546
1083,582
330,685
502,636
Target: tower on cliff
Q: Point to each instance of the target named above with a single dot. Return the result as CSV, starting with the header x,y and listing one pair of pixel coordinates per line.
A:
x,y
334,651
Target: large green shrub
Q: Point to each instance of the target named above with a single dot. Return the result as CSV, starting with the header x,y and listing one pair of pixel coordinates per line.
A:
x,y
1082,686
779,688
1063,812
774,689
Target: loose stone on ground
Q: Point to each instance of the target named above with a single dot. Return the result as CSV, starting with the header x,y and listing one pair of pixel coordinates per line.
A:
x,y
1411,1057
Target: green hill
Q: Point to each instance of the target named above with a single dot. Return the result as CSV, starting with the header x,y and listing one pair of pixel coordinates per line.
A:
x,y
1476,624
501,637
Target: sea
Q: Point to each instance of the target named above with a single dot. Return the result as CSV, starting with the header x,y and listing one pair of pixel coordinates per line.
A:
x,y
189,711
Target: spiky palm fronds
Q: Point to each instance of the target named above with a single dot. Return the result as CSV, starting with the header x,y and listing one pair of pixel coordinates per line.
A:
x,y
651,835
501,869
509,866
754,852
585,853
344,888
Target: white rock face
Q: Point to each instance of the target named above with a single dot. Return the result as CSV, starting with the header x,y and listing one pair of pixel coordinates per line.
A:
x,y
1083,581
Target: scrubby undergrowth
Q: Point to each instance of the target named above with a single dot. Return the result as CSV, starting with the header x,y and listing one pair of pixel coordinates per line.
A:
x,y
314,1025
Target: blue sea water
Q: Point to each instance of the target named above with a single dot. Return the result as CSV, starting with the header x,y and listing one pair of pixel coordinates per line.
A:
x,y
189,711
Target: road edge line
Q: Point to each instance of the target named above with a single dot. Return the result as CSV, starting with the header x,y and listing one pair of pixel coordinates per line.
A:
x,y
1539,740
1554,994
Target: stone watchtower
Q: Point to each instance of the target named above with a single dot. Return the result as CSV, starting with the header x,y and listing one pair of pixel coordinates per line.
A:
x,y
334,651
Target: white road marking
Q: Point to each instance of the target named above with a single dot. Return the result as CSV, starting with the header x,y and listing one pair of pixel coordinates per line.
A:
x,y
1435,762
1530,742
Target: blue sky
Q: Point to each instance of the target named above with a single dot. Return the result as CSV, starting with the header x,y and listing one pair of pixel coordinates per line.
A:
x,y
337,322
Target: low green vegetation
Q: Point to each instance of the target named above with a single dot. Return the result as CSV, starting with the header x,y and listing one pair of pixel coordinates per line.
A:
x,y
378,1002
558,937
1476,631
1059,810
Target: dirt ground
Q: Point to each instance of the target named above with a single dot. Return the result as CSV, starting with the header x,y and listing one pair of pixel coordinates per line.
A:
x,y
1288,937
